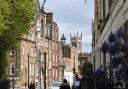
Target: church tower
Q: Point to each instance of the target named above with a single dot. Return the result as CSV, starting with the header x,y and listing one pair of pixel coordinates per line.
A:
x,y
76,41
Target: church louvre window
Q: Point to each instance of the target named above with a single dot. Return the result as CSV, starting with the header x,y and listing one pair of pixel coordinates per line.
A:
x,y
74,44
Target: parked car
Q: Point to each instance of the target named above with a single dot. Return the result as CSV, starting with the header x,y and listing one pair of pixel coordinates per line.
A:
x,y
55,85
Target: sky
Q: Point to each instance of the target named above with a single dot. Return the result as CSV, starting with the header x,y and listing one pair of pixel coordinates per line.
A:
x,y
73,16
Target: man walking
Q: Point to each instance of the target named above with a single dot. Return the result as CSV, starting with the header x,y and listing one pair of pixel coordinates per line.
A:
x,y
64,85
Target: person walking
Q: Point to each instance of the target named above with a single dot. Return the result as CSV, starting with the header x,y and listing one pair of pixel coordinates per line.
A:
x,y
32,85
65,85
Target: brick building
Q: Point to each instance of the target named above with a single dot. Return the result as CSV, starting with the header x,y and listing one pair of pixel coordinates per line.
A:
x,y
23,58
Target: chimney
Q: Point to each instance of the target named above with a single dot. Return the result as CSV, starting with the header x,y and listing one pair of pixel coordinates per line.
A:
x,y
49,18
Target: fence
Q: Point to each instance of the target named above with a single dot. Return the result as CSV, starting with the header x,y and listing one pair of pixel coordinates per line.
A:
x,y
4,84
102,83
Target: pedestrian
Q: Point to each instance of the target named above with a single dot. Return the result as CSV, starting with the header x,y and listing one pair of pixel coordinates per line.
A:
x,y
64,85
32,85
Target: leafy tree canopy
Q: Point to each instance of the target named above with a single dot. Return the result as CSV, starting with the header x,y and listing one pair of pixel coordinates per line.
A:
x,y
86,68
15,20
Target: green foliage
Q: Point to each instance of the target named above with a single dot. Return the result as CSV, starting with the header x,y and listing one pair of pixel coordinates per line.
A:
x,y
16,17
15,21
86,69
3,62
4,10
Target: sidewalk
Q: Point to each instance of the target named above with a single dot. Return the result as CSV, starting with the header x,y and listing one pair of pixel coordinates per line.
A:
x,y
19,88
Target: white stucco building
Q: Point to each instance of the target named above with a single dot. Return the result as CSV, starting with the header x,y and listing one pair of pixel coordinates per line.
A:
x,y
110,15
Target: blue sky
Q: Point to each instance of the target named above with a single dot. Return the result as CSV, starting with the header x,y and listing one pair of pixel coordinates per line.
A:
x,y
73,16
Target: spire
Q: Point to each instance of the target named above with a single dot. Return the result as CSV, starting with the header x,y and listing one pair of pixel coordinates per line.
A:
x,y
77,34
63,39
70,35
74,35
81,35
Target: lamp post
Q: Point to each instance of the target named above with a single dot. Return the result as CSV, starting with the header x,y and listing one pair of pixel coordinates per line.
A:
x,y
63,40
13,72
74,71
44,70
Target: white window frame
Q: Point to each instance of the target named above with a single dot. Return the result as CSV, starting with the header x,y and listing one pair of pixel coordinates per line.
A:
x,y
12,51
12,65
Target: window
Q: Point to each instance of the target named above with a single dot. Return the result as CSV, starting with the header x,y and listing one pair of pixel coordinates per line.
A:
x,y
53,33
46,44
74,44
48,32
46,72
12,51
53,57
30,68
56,58
53,73
56,73
32,52
36,71
47,57
53,46
12,69
80,46
56,47
33,68
106,8
22,49
56,34
50,64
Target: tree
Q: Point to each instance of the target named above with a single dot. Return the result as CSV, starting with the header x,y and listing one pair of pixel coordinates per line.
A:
x,y
86,69
16,17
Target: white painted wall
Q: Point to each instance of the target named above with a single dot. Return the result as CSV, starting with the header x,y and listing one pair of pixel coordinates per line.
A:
x,y
119,14
69,77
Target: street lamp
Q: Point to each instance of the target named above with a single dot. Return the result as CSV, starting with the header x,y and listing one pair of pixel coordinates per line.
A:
x,y
74,71
63,40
